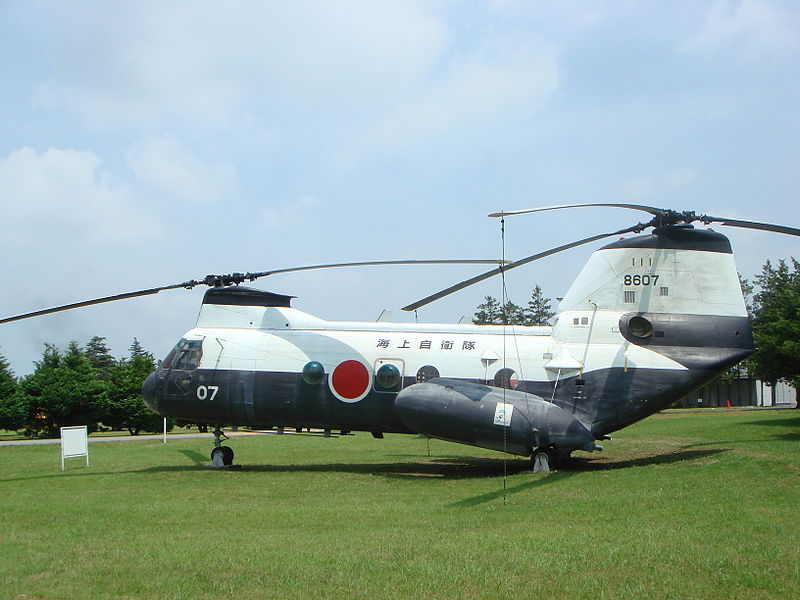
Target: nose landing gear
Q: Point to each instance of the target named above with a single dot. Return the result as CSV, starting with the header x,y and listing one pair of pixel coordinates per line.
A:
x,y
221,456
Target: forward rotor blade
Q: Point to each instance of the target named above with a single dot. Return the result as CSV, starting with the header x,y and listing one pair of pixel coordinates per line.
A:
x,y
252,276
55,309
519,263
648,209
237,278
752,225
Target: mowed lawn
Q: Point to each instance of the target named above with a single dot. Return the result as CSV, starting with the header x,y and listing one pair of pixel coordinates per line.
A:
x,y
681,505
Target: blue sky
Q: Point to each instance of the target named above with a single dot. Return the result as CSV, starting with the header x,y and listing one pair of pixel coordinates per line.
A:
x,y
152,142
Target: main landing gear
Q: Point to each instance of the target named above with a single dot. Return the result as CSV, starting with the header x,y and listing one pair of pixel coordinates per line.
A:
x,y
221,456
541,460
544,458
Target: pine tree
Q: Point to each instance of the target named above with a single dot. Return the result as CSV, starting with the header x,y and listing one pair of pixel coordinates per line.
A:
x,y
511,314
747,293
137,350
12,411
63,390
8,383
127,410
776,323
51,358
488,313
539,311
99,356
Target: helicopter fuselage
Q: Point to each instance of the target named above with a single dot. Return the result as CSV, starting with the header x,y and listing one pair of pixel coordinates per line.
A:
x,y
648,320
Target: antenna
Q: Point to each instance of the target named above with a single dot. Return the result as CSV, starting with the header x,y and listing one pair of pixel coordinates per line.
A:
x,y
503,300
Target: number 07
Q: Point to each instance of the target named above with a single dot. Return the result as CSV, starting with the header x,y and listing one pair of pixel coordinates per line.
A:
x,y
203,391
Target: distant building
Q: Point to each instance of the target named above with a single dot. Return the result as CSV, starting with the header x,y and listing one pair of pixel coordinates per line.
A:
x,y
742,390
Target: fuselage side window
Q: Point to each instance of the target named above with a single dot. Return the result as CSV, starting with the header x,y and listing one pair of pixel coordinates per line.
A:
x,y
427,372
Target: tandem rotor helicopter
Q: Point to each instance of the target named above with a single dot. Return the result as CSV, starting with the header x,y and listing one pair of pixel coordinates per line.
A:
x,y
648,319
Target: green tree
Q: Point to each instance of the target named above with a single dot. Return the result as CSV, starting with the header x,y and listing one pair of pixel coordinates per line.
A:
x,y
126,409
511,314
488,313
776,323
539,311
99,356
12,410
136,349
8,383
63,390
747,293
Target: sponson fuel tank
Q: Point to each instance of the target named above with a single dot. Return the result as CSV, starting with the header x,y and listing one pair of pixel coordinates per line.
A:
x,y
489,417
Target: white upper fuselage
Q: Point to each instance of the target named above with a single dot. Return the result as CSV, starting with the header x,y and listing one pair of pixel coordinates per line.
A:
x,y
285,339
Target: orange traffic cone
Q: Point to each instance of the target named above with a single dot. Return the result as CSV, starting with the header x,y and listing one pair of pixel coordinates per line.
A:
x,y
728,402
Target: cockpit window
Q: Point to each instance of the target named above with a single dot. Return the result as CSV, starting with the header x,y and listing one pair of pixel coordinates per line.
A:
x,y
167,362
189,354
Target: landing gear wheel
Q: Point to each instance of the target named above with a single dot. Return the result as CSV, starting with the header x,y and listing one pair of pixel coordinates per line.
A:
x,y
222,456
541,459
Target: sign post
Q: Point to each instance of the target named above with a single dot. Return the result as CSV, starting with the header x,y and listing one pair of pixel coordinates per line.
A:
x,y
74,443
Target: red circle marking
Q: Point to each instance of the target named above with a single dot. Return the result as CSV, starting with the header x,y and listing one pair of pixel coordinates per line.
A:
x,y
350,379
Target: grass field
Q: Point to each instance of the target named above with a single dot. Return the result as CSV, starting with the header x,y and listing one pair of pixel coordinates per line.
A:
x,y
682,505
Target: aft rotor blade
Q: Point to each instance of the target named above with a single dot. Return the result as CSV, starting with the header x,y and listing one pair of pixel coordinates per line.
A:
x,y
648,209
124,296
752,225
492,261
519,263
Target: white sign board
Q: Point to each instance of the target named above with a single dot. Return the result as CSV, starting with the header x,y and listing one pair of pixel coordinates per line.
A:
x,y
74,442
502,414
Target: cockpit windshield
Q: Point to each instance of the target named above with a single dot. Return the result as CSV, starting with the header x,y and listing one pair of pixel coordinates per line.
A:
x,y
185,355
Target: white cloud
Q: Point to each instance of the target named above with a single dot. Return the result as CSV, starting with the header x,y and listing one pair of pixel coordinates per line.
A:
x,y
650,186
66,194
640,187
680,178
142,63
291,213
165,168
501,81
344,79
755,27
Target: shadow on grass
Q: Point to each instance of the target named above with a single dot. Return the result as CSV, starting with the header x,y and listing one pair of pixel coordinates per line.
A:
x,y
419,467
537,481
442,467
789,436
572,466
459,467
790,422
197,458
591,464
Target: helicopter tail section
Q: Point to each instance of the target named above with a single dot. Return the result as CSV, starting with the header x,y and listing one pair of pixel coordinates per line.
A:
x,y
663,314
675,269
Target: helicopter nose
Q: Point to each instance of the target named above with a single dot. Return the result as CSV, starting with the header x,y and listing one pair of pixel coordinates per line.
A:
x,y
149,391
